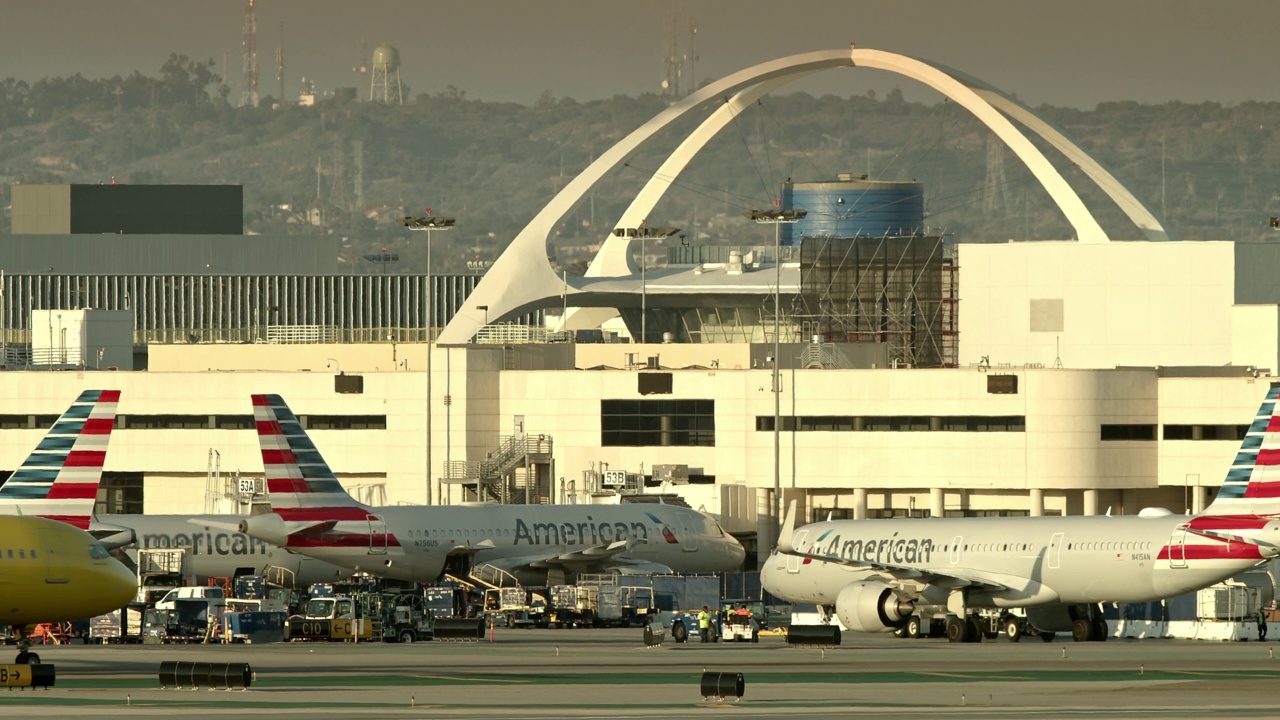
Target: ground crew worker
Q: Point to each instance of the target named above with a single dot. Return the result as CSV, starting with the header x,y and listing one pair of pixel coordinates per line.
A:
x,y
1262,624
704,624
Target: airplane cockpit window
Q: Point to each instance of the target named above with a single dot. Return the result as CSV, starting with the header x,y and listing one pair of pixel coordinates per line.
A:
x,y
98,552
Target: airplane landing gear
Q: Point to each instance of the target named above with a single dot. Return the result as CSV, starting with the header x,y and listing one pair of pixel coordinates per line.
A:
x,y
25,656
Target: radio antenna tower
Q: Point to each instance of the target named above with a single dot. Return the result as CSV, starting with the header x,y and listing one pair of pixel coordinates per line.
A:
x,y
280,66
249,51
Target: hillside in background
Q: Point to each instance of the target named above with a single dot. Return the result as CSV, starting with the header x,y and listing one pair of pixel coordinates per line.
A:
x,y
353,168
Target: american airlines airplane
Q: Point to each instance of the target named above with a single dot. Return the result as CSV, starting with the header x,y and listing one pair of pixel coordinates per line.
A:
x,y
60,479
875,574
312,514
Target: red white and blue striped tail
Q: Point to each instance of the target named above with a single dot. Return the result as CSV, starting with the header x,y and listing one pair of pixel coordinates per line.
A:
x,y
1252,485
299,482
60,479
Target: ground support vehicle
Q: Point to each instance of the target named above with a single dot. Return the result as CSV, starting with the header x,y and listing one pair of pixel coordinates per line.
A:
x,y
677,601
159,571
519,606
254,626
344,618
406,618
120,626
740,628
573,606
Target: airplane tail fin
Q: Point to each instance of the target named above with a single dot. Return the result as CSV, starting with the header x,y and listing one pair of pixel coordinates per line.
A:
x,y
59,480
1252,485
299,482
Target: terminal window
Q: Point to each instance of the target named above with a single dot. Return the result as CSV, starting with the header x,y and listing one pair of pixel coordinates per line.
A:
x,y
1137,431
658,423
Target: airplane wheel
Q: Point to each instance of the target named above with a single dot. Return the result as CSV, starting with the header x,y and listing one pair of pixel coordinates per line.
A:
x,y
1100,630
679,633
975,631
1047,636
27,658
914,627
957,629
1012,630
1082,630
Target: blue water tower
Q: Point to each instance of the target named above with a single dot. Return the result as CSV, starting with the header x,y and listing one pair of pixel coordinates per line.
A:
x,y
853,206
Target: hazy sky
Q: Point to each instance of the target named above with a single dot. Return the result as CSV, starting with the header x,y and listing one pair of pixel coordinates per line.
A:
x,y
1060,52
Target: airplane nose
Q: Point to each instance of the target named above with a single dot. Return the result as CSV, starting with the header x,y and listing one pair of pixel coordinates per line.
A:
x,y
118,583
737,553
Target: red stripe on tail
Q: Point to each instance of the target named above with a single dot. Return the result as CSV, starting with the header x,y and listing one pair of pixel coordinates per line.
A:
x,y
73,491
287,486
338,512
85,458
98,426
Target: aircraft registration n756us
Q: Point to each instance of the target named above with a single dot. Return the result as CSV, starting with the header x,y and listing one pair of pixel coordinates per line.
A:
x,y
313,515
879,575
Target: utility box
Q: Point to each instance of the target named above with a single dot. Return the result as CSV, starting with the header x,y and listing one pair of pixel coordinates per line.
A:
x,y
87,339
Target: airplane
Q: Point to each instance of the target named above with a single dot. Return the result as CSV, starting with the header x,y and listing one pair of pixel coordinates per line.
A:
x,y
60,479
51,571
538,544
877,574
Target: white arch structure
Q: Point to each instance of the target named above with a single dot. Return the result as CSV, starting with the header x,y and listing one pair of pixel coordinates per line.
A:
x,y
521,279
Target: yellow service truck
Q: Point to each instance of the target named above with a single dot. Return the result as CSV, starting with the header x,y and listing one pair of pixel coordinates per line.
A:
x,y
341,618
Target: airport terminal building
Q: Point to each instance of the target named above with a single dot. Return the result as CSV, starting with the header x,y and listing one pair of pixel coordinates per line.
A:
x,y
1087,378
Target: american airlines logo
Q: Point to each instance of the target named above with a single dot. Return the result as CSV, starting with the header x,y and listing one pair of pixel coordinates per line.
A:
x,y
892,549
567,533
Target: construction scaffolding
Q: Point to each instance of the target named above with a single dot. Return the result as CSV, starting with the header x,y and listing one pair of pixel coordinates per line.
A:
x,y
897,290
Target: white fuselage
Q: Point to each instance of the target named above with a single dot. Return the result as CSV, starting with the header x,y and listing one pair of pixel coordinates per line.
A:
x,y
213,549
413,543
1018,562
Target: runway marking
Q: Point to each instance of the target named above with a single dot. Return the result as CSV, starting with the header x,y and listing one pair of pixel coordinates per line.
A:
x,y
972,676
459,678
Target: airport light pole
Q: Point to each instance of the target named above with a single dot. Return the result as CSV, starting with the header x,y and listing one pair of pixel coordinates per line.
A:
x,y
776,218
428,223
643,232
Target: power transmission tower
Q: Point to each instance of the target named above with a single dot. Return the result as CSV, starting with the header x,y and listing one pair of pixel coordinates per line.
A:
x,y
249,84
995,192
358,147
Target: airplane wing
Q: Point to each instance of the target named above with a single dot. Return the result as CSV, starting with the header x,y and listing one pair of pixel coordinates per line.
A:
x,y
889,572
594,555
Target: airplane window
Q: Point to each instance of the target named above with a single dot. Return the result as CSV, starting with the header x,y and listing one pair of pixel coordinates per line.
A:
x,y
1006,548
11,554
22,553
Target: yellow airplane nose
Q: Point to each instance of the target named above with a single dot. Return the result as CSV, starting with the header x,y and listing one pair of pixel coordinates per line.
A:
x,y
113,581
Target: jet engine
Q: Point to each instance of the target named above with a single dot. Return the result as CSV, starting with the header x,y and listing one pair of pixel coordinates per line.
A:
x,y
871,606
113,537
267,526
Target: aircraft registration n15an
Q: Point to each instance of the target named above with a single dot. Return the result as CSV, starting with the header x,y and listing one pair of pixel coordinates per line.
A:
x,y
313,514
60,479
53,572
878,575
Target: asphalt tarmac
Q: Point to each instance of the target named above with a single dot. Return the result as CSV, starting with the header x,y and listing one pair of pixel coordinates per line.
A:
x,y
603,673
